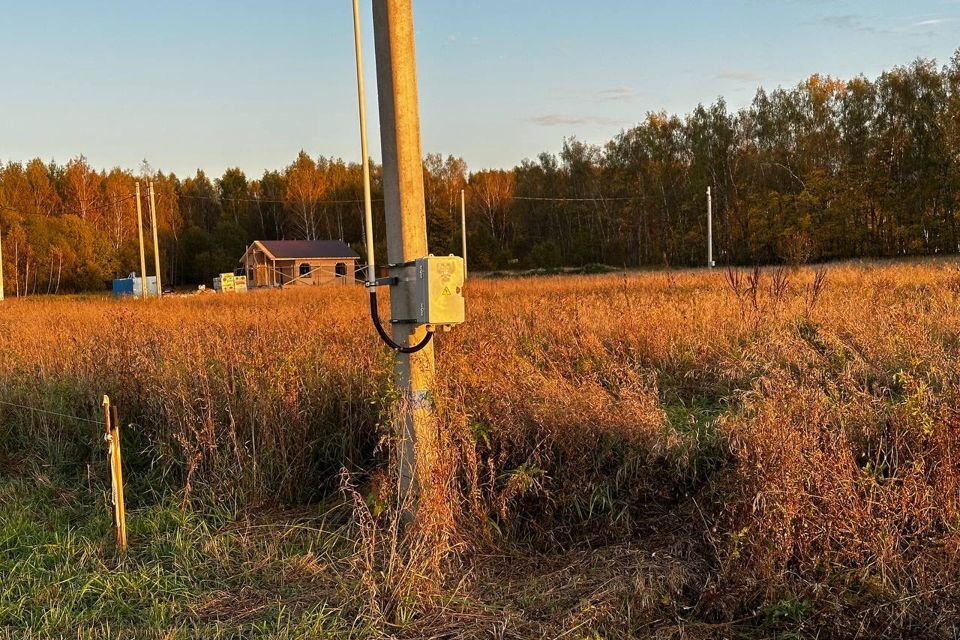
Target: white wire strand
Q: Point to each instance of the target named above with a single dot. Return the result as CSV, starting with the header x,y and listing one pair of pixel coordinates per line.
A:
x,y
52,413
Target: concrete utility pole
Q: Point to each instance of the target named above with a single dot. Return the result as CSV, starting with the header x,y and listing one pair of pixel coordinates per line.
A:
x,y
463,229
156,245
406,235
143,257
709,229
1,267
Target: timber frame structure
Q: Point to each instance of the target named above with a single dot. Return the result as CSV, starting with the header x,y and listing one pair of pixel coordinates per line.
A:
x,y
285,263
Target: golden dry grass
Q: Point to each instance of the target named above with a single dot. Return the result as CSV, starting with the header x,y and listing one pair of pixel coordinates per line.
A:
x,y
793,447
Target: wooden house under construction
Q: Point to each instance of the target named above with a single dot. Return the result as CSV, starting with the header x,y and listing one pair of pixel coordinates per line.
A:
x,y
285,263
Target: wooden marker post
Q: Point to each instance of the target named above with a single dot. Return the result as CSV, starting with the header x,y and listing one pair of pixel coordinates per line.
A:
x,y
112,438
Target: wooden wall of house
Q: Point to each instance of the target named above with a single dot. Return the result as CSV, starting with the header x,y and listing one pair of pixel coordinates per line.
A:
x,y
323,271
263,272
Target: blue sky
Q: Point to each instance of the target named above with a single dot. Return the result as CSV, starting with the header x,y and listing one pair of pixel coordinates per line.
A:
x,y
208,85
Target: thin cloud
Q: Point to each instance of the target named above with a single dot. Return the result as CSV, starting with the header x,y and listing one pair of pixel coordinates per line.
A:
x,y
850,22
622,93
617,93
741,75
557,119
860,24
932,22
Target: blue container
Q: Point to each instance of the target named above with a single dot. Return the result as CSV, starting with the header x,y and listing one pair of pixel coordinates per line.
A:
x,y
123,287
132,286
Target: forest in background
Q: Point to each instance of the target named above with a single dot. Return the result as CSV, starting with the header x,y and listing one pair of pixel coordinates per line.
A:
x,y
828,169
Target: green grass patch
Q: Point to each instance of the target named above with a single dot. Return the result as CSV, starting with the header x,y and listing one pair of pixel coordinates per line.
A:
x,y
182,577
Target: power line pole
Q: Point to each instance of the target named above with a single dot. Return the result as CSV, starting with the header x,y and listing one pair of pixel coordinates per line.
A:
x,y
463,228
156,245
406,227
709,229
143,258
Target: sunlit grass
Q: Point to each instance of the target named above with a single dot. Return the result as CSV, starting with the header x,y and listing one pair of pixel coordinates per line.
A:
x,y
767,451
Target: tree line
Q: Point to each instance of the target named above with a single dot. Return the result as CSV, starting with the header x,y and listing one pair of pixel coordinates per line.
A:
x,y
824,170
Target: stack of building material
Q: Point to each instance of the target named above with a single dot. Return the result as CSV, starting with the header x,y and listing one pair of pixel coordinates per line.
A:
x,y
229,283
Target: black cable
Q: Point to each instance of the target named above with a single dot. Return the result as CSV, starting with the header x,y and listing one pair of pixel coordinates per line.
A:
x,y
375,315
63,211
221,200
599,199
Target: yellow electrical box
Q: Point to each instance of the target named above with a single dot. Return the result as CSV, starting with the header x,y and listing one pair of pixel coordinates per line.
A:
x,y
439,286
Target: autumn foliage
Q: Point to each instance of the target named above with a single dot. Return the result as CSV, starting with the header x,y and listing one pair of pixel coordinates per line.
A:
x,y
827,169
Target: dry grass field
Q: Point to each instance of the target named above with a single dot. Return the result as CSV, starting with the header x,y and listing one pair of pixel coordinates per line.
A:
x,y
675,455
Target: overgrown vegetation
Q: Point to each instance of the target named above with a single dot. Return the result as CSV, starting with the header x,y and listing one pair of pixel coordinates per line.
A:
x,y
681,454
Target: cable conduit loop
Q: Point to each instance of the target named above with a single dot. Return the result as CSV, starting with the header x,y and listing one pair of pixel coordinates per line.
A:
x,y
375,315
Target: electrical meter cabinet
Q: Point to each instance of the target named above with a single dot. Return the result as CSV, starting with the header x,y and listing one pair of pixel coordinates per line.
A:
x,y
439,285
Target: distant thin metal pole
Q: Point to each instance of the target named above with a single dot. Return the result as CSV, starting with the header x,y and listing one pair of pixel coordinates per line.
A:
x,y
143,257
1,267
362,99
156,245
709,228
463,228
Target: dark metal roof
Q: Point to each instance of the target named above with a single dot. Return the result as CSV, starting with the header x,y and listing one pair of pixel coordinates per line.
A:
x,y
289,249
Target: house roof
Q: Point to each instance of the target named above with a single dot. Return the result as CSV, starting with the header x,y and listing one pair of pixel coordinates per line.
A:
x,y
303,249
